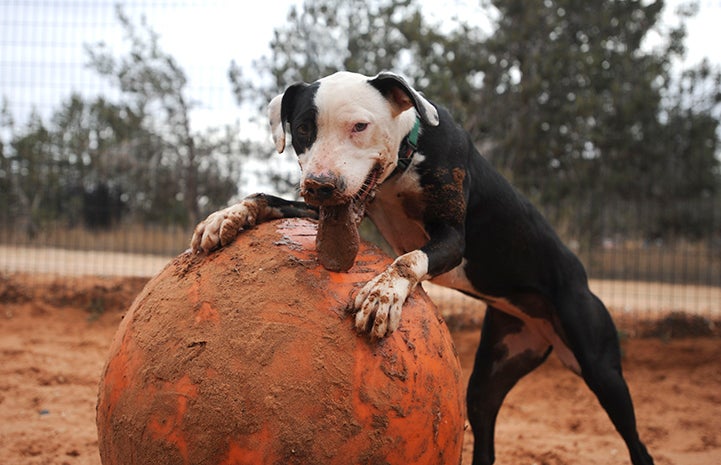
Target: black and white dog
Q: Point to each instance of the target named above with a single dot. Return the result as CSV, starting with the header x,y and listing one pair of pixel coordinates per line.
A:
x,y
452,219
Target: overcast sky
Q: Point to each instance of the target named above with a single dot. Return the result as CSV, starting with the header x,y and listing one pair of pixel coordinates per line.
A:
x,y
42,58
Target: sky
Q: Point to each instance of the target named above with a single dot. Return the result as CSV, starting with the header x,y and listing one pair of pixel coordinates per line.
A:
x,y
42,58
42,55
43,61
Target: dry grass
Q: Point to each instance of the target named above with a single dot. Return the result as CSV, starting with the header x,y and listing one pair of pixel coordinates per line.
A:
x,y
680,262
137,239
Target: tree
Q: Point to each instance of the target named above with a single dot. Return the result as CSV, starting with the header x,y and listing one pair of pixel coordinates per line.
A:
x,y
96,162
27,175
7,125
578,109
562,96
59,170
323,37
155,84
103,151
687,185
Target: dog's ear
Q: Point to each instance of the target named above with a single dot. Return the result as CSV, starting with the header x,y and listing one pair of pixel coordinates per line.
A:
x,y
279,110
276,123
403,96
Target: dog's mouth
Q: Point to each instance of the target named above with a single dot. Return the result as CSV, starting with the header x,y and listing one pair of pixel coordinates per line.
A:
x,y
329,195
367,191
337,239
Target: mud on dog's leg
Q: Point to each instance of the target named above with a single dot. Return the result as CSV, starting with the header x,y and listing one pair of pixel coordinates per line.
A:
x,y
221,227
380,301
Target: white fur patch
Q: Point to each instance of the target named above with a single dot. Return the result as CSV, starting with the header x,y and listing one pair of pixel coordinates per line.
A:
x,y
403,232
542,328
381,299
344,100
221,227
276,125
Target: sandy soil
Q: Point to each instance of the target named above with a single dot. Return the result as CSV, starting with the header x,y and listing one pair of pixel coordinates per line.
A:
x,y
55,333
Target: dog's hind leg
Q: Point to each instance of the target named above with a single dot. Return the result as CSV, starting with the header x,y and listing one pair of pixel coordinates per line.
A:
x,y
593,338
508,351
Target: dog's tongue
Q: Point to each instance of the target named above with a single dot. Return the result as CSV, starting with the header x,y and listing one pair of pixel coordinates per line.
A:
x,y
337,241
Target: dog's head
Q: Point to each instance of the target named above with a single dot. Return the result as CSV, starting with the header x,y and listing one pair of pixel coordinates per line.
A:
x,y
346,130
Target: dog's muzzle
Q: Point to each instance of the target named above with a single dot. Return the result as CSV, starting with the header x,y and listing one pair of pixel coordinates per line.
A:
x,y
324,190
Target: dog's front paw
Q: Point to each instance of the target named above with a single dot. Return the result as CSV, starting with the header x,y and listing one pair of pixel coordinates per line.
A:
x,y
380,303
220,228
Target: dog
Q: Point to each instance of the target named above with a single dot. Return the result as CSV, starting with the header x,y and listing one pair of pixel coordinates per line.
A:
x,y
452,219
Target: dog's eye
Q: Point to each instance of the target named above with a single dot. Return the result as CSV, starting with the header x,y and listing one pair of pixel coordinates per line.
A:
x,y
360,127
302,130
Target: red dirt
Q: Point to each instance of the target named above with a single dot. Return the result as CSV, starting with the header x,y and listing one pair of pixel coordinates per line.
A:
x,y
55,334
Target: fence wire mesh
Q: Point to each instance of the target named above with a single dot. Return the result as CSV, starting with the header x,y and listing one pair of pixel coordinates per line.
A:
x,y
43,62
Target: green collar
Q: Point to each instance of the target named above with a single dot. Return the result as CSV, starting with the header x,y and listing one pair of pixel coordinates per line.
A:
x,y
408,148
413,136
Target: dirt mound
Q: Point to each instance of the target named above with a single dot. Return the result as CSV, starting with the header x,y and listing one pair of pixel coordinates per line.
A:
x,y
95,294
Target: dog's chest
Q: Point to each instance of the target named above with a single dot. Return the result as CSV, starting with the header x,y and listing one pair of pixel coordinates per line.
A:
x,y
397,211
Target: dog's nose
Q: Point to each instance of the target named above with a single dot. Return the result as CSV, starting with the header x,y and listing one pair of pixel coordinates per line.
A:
x,y
322,189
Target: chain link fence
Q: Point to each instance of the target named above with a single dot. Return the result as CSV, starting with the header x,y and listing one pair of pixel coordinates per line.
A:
x,y
640,275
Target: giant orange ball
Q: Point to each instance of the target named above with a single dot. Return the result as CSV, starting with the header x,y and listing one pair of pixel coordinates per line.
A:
x,y
248,356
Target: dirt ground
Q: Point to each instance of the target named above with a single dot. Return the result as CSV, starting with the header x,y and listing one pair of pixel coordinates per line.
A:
x,y
55,333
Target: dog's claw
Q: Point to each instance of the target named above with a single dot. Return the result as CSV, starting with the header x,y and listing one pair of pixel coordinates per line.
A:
x,y
380,303
220,228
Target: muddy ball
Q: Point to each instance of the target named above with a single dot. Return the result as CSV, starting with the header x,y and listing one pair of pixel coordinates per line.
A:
x,y
248,355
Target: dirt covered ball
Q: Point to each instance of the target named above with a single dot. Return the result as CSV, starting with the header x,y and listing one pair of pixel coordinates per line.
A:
x,y
248,356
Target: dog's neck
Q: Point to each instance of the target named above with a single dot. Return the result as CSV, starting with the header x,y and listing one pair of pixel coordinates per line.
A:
x,y
408,148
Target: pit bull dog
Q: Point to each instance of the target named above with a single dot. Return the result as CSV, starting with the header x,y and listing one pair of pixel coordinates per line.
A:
x,y
452,219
